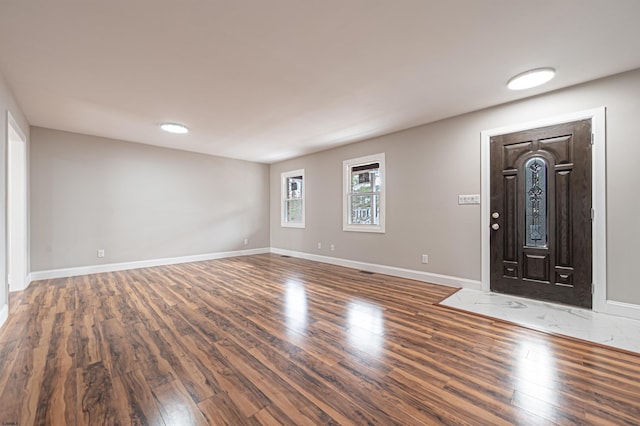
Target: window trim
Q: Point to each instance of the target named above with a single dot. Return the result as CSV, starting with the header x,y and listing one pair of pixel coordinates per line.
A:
x,y
347,166
283,191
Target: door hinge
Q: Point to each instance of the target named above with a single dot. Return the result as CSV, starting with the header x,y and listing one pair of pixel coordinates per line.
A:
x,y
593,214
591,288
593,139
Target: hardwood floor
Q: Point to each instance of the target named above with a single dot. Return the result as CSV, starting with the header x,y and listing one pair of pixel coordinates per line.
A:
x,y
272,340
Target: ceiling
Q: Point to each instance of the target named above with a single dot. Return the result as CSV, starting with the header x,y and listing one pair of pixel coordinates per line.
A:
x,y
267,80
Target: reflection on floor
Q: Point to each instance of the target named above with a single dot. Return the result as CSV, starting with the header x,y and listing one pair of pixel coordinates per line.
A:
x,y
622,333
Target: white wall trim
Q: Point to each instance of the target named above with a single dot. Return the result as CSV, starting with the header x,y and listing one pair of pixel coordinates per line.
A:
x,y
623,309
16,209
112,267
597,117
13,123
4,314
611,307
387,270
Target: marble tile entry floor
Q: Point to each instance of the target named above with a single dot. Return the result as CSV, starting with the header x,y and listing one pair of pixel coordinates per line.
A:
x,y
609,330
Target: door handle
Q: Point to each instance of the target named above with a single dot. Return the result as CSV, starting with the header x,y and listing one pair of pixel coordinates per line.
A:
x,y
495,215
495,226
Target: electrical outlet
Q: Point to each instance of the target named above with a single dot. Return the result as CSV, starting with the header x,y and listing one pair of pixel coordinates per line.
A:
x,y
246,241
319,245
425,258
101,253
333,247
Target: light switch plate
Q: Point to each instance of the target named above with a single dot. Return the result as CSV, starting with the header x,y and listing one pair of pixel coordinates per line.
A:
x,y
469,199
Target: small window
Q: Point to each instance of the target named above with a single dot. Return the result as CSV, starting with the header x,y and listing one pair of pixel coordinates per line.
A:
x,y
293,199
363,202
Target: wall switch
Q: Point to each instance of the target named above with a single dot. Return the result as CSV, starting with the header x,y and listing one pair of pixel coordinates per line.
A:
x,y
319,245
246,241
101,253
469,199
425,258
333,247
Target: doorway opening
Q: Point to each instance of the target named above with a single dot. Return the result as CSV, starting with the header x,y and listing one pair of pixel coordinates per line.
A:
x,y
16,207
539,270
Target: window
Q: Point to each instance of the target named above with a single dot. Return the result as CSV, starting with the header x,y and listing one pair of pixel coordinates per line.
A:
x,y
293,199
363,201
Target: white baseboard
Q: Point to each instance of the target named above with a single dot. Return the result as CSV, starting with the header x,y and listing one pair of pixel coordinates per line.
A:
x,y
112,267
26,282
622,309
4,314
387,270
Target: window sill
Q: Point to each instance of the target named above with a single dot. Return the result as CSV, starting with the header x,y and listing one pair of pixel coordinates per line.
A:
x,y
291,225
364,228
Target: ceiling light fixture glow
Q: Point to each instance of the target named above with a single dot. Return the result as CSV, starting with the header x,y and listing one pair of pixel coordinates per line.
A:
x,y
531,78
174,128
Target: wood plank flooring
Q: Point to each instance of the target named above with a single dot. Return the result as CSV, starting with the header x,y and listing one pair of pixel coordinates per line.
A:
x,y
272,340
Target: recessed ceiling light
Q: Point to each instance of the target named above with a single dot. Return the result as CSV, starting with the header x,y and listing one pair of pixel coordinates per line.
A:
x,y
530,79
174,128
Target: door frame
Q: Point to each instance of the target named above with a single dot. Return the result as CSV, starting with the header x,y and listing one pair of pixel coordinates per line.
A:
x,y
598,195
16,215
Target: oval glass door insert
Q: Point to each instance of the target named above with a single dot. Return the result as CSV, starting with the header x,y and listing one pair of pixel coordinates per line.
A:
x,y
535,193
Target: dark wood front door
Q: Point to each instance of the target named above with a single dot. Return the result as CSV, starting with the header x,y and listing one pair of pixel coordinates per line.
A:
x,y
541,213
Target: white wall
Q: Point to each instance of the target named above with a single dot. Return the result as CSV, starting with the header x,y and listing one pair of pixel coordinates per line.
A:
x,y
428,166
138,202
7,103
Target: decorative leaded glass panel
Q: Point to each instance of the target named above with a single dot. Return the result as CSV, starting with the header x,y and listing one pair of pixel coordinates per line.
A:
x,y
535,201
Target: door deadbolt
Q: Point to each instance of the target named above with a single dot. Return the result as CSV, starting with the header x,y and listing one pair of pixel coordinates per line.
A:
x,y
495,215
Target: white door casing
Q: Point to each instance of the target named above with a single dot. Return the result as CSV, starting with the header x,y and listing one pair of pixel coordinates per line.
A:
x,y
598,160
16,206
